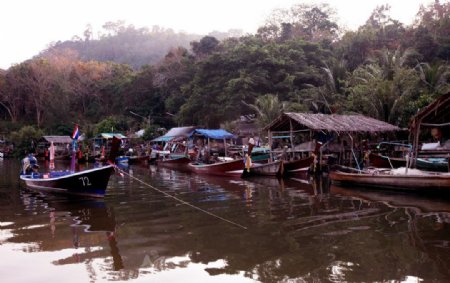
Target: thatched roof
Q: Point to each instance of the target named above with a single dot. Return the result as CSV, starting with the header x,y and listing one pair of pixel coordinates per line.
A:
x,y
329,122
56,139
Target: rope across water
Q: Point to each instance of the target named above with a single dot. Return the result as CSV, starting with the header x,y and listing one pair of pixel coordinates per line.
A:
x,y
180,200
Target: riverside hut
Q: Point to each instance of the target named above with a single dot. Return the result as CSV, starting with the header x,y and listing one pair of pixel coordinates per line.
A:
x,y
62,146
433,124
339,134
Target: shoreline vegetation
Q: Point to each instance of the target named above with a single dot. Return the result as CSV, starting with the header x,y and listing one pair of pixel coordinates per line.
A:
x,y
300,60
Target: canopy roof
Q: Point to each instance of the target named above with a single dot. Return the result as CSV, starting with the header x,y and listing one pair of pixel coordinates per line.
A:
x,y
110,136
329,122
219,134
175,133
56,139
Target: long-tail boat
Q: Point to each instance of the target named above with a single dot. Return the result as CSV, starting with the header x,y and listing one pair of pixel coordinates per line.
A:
x,y
400,179
91,182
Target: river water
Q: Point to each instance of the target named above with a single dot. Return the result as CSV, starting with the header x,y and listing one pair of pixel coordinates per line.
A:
x,y
297,231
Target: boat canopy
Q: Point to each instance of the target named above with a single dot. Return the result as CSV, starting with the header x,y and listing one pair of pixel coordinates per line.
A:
x,y
56,139
110,136
218,134
175,133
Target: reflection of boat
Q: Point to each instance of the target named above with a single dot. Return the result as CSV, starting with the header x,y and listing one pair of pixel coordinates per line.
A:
x,y
395,199
95,216
401,179
225,168
90,182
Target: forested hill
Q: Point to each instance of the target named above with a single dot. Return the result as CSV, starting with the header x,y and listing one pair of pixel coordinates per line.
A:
x,y
124,44
299,60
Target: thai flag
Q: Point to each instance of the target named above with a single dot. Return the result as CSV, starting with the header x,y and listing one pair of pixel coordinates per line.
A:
x,y
75,133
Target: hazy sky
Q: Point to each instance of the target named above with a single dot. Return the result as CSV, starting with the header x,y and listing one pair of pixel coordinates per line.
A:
x,y
28,26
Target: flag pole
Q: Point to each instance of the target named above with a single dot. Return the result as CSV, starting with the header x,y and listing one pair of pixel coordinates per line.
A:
x,y
75,135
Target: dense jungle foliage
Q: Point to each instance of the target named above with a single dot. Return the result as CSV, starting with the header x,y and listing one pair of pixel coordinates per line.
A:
x,y
300,60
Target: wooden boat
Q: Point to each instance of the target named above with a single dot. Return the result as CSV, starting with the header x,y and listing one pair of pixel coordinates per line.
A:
x,y
175,162
135,159
274,168
220,168
382,161
299,166
433,164
91,182
429,164
122,159
280,168
397,179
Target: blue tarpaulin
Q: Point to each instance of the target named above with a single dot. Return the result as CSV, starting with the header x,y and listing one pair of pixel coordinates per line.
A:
x,y
218,134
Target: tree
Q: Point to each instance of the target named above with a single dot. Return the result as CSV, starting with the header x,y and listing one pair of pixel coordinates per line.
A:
x,y
111,124
205,46
11,98
314,23
435,77
37,79
25,139
268,107
371,93
435,18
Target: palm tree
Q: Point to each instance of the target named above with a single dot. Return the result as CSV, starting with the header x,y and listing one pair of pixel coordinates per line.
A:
x,y
268,107
435,77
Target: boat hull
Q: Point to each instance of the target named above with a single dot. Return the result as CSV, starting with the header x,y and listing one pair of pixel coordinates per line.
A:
x,y
381,161
174,163
91,182
132,160
297,167
265,169
228,168
429,164
400,182
433,164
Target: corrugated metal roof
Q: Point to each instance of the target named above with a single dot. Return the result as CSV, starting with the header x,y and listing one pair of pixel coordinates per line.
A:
x,y
331,123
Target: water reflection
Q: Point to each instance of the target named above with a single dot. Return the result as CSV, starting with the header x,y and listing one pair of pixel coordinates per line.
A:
x,y
83,225
298,229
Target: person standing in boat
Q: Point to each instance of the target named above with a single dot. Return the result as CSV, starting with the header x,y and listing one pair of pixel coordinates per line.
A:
x,y
29,164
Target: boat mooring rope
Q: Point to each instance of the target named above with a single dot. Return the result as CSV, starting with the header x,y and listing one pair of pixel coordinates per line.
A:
x,y
179,200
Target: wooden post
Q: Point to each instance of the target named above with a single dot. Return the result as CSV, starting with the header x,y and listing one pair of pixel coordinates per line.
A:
x,y
416,144
225,146
270,144
448,162
291,138
209,148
